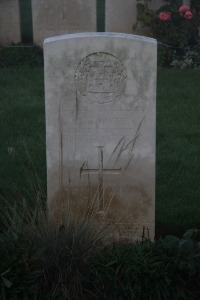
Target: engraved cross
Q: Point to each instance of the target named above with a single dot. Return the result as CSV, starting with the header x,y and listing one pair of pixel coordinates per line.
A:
x,y
100,172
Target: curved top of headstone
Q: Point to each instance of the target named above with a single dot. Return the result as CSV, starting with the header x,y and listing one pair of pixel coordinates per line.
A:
x,y
99,34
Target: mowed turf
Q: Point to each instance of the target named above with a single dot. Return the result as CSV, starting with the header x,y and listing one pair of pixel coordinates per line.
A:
x,y
178,151
22,123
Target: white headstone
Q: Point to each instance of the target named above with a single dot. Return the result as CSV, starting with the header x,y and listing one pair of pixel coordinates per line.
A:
x,y
120,15
154,4
100,92
9,22
55,17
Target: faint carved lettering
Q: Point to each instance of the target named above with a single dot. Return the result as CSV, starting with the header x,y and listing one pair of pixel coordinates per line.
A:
x,y
101,77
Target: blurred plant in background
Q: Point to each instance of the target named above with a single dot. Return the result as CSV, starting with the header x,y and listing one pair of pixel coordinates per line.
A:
x,y
176,24
176,27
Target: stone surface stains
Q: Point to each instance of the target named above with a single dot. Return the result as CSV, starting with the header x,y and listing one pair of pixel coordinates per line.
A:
x,y
100,92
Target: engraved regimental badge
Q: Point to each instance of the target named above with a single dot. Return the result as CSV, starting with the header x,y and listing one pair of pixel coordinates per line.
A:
x,y
101,77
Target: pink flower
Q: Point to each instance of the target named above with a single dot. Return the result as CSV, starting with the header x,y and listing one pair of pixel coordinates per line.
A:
x,y
165,15
183,8
188,15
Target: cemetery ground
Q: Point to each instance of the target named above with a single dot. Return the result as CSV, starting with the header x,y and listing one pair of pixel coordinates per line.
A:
x,y
178,141
23,168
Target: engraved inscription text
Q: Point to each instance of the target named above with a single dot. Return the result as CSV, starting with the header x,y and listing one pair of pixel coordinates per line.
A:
x,y
101,77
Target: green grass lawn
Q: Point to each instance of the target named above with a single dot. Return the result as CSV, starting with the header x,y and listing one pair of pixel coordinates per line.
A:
x,y
22,126
178,151
178,141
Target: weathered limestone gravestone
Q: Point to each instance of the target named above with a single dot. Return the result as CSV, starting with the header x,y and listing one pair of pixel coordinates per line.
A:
x,y
52,17
100,91
120,15
9,22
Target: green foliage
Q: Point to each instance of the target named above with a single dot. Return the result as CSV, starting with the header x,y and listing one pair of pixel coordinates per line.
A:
x,y
177,31
144,19
174,32
18,226
64,256
22,122
178,142
17,55
167,269
23,262
195,4
189,58
177,149
100,4
144,14
17,278
39,260
165,55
